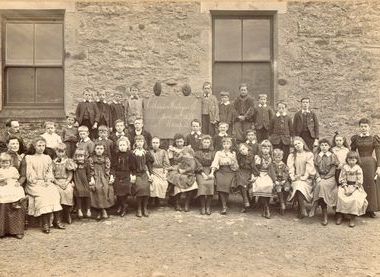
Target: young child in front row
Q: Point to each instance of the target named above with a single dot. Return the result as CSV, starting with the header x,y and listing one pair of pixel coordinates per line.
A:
x,y
224,166
82,178
141,187
102,194
351,195
247,171
205,155
281,184
123,166
103,132
70,135
85,142
52,139
161,164
263,183
340,149
194,138
63,168
325,189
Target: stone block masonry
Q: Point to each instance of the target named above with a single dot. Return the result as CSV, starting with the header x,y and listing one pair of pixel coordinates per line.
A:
x,y
328,50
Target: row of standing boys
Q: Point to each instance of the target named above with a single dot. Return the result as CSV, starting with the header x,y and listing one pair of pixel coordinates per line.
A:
x,y
238,146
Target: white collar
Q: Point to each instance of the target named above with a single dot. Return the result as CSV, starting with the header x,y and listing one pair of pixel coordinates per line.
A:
x,y
328,154
206,96
104,101
223,135
119,134
264,106
250,142
87,101
115,102
280,114
363,135
139,132
225,104
196,133
85,140
305,111
139,152
69,126
99,138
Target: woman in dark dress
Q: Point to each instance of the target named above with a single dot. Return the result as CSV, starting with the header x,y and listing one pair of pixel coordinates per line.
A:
x,y
365,144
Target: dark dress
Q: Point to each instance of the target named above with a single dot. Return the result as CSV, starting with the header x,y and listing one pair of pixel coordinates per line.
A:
x,y
143,161
247,167
123,165
205,158
365,146
82,177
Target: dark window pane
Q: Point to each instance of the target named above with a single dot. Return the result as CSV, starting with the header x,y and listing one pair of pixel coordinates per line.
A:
x,y
226,77
19,44
258,78
49,44
227,39
49,85
20,85
256,39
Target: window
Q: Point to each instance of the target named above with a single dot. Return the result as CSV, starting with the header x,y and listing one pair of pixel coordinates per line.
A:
x,y
243,53
33,67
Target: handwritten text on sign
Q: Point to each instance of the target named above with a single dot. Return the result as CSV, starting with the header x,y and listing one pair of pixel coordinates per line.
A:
x,y
166,116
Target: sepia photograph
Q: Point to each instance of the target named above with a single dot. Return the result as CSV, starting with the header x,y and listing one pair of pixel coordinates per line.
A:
x,y
166,138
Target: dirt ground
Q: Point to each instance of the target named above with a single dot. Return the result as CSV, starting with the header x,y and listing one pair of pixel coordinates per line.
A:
x,y
170,243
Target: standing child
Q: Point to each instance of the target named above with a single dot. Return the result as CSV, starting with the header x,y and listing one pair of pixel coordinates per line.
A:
x,y
251,142
226,110
224,166
243,113
87,113
281,184
281,130
85,142
210,110
82,178
351,195
247,171
123,166
104,109
63,168
325,190
70,135
134,107
138,130
119,131
52,139
194,138
117,109
141,187
264,182
223,132
205,155
262,117
103,138
161,164
102,194
340,149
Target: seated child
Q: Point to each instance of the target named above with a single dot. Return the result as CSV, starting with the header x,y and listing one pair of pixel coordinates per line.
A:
x,y
182,176
194,138
161,164
351,195
281,184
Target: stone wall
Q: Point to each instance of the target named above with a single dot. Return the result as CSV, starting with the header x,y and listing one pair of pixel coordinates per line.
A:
x,y
327,50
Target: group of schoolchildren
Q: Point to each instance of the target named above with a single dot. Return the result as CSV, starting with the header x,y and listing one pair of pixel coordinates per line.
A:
x,y
105,155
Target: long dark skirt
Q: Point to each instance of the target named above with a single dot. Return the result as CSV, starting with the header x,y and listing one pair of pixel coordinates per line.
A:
x,y
142,185
371,187
12,221
225,179
122,185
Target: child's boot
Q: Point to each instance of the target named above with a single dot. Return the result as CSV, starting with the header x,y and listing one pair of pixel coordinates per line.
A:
x,y
352,221
339,218
324,216
282,203
267,210
80,214
177,202
104,214
139,207
145,207
313,209
208,205
203,204
45,223
88,213
67,214
57,221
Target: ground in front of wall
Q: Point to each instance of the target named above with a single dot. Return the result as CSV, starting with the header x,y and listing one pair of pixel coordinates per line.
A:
x,y
171,243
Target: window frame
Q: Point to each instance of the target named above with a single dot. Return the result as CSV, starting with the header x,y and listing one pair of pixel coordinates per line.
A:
x,y
30,110
244,15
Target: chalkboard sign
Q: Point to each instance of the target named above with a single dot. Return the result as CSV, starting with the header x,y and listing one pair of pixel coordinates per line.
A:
x,y
165,116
